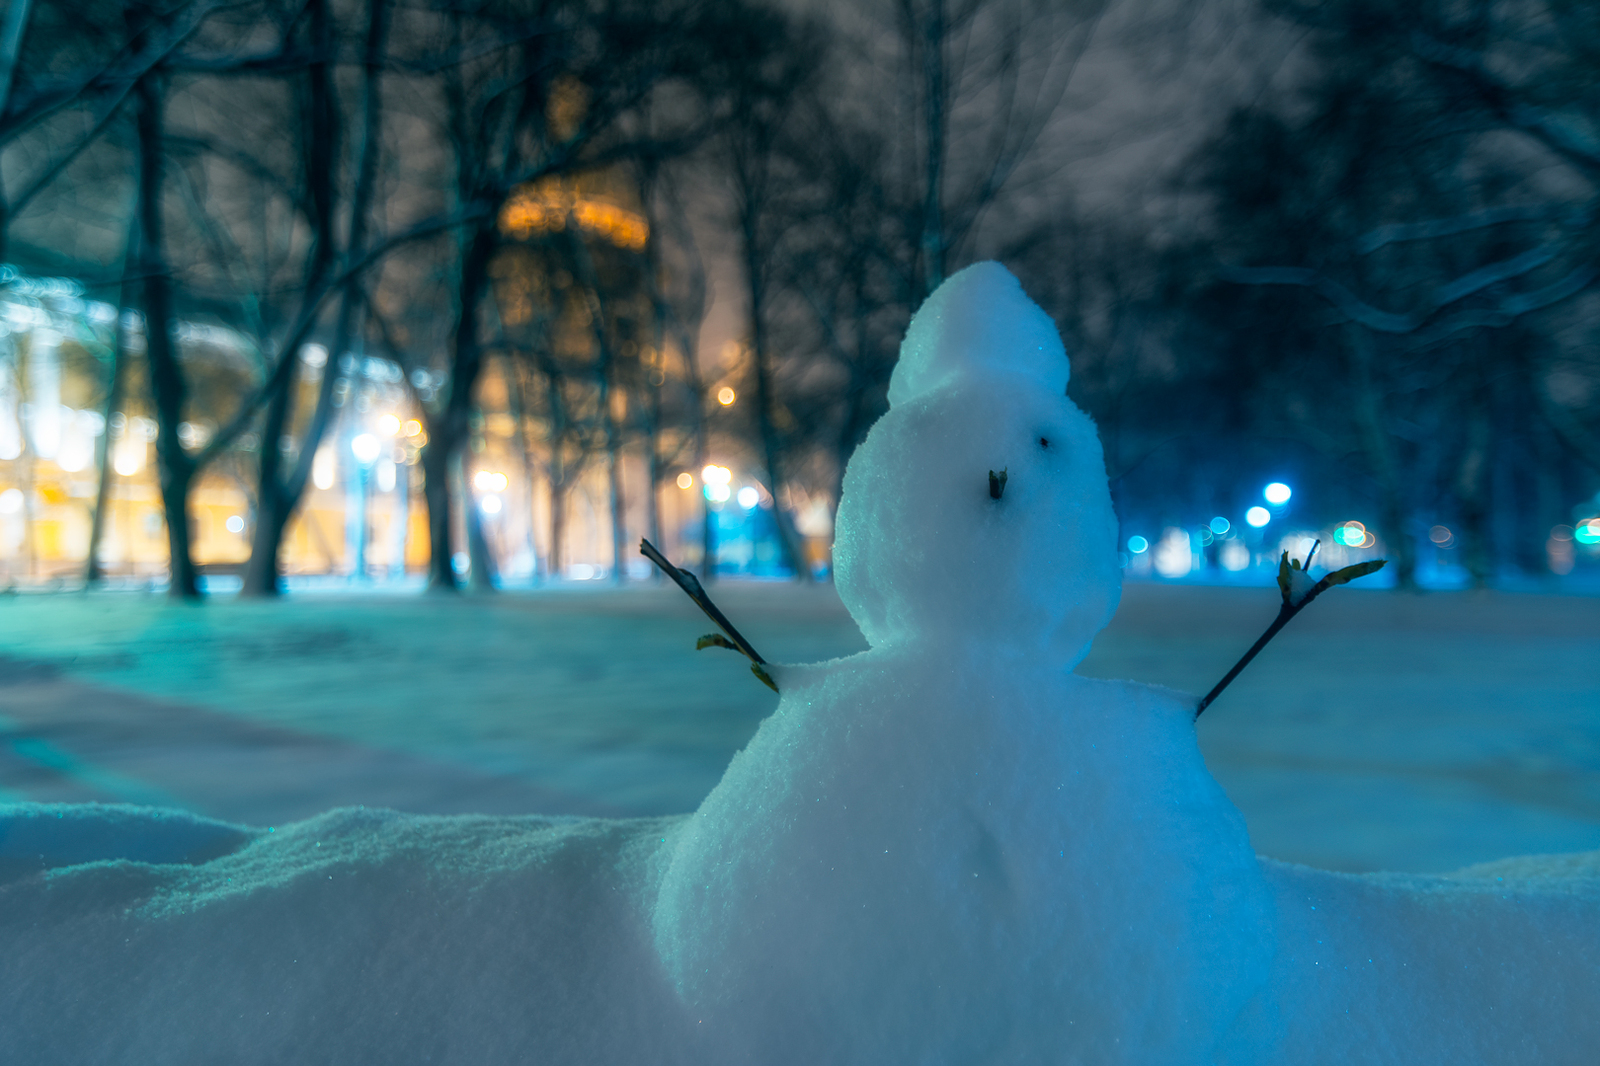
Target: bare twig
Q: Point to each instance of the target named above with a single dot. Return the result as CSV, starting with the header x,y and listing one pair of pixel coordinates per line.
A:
x,y
735,640
1287,570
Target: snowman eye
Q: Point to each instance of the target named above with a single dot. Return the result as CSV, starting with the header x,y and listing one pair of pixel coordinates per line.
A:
x,y
1044,442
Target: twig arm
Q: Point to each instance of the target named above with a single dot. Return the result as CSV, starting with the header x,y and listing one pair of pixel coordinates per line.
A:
x,y
1291,607
691,585
1285,613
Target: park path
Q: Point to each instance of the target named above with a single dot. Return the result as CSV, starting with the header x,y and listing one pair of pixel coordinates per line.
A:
x,y
66,741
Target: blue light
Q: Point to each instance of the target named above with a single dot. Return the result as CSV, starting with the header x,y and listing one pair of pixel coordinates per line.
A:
x,y
1277,493
1137,545
1258,517
1220,525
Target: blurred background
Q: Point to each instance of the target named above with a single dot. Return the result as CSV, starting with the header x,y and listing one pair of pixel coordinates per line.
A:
x,y
352,298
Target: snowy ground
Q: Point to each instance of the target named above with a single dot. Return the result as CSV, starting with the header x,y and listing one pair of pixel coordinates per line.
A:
x,y
1378,732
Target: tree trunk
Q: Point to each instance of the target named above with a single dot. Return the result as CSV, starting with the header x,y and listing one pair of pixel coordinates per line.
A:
x,y
93,573
436,492
766,402
447,433
933,242
1381,458
167,387
12,32
558,527
263,573
483,574
557,467
604,368
617,504
1472,483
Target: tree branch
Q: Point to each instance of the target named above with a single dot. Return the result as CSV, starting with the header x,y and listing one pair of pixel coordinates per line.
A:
x,y
690,585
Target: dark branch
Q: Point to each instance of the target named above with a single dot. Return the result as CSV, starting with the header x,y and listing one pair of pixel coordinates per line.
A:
x,y
1291,607
691,585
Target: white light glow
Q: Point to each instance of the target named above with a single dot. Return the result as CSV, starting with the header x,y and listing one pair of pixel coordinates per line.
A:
x,y
717,493
235,524
364,446
1277,493
491,504
1173,554
716,475
10,501
748,497
388,425
490,481
1257,517
685,480
386,472
127,459
322,468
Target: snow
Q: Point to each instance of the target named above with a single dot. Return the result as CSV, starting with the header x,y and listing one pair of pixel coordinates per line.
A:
x,y
922,553
352,937
947,847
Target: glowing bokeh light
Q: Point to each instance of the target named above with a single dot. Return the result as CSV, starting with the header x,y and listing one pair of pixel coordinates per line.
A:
x,y
388,425
685,480
1277,493
716,493
716,475
726,396
1441,536
411,427
491,504
1173,556
490,481
1220,525
127,459
1351,535
322,469
235,524
748,497
1587,531
364,446
1138,545
1257,517
11,501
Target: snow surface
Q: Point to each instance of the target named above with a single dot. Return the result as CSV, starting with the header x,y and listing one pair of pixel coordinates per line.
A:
x,y
946,848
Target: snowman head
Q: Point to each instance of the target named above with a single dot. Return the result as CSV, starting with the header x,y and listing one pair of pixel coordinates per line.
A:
x,y
924,550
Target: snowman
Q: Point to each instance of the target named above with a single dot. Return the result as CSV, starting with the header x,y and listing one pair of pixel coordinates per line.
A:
x,y
951,848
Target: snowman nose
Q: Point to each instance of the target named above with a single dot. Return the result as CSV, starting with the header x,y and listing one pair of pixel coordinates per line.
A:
x,y
997,484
